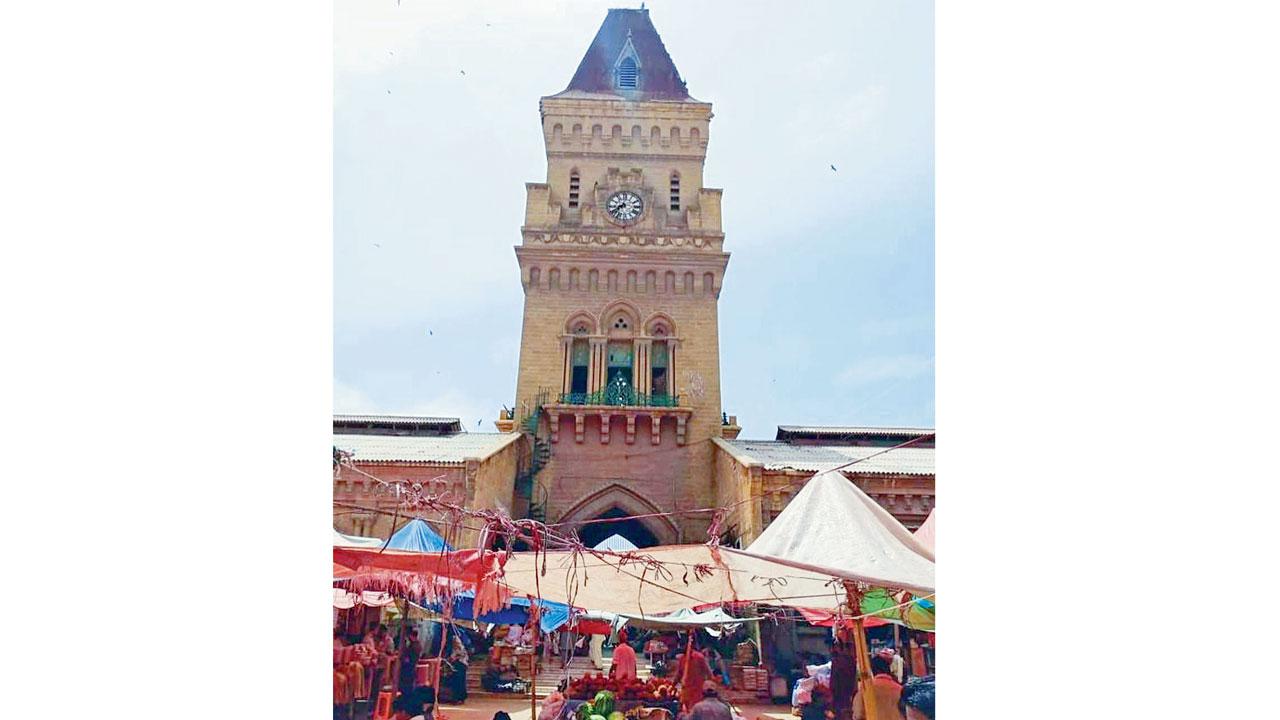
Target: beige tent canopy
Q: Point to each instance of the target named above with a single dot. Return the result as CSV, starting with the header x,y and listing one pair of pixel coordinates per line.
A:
x,y
830,532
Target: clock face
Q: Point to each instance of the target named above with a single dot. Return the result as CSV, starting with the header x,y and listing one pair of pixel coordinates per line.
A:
x,y
624,206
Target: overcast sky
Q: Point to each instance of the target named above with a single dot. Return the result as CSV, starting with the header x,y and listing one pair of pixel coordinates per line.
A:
x,y
826,316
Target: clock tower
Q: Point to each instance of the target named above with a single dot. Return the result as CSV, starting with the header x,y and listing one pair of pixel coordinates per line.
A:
x,y
622,261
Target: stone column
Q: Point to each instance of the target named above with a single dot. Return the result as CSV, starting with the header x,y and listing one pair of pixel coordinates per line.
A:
x,y
641,365
673,386
598,372
566,375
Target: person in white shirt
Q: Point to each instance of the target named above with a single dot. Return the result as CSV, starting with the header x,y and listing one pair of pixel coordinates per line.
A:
x,y
597,651
897,666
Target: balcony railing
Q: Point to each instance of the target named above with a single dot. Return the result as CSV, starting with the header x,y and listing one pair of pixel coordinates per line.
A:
x,y
619,396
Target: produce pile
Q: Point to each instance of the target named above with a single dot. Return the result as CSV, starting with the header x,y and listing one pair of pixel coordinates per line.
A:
x,y
605,690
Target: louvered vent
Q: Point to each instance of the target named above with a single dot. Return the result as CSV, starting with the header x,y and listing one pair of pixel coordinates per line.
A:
x,y
627,73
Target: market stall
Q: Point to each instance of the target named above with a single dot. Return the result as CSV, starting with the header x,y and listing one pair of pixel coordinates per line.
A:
x,y
832,526
832,548
604,696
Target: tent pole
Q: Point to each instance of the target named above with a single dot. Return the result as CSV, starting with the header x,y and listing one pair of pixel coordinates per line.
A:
x,y
864,667
860,647
533,685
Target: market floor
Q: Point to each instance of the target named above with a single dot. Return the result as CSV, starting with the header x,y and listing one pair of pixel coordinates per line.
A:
x,y
483,708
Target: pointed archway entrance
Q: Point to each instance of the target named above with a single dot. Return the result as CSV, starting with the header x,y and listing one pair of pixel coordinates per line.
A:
x,y
610,505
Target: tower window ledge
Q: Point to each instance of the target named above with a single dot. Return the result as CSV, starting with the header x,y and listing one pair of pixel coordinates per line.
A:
x,y
570,404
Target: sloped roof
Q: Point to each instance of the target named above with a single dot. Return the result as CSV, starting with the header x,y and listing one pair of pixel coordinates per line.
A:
x,y
396,424
428,450
658,78
791,432
775,455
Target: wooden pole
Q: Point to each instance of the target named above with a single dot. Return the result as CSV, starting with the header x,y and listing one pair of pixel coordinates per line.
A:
x,y
864,668
533,685
860,647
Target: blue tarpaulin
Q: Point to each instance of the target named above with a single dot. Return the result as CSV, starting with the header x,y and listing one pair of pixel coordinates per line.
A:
x,y
554,614
417,536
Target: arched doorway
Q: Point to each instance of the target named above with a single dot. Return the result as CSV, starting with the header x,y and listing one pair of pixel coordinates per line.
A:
x,y
632,529
618,501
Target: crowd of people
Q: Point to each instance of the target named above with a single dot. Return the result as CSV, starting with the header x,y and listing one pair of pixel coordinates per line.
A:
x,y
700,670
893,699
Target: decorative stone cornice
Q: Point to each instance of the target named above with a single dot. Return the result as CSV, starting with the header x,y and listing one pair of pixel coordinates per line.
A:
x,y
582,237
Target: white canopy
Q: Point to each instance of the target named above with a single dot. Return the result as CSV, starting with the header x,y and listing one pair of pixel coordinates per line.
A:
x,y
689,618
341,540
832,526
616,543
925,533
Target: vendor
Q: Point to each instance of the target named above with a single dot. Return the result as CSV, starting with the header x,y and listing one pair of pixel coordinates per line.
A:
x,y
624,659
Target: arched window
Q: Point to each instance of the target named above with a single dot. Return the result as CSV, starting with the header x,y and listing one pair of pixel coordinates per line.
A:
x,y
627,75
579,360
574,184
675,190
659,362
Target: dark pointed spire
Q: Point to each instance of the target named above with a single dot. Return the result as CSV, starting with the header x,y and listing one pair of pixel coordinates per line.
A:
x,y
604,70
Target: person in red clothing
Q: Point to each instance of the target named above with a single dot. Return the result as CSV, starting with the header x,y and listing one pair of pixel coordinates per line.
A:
x,y
624,659
693,671
887,691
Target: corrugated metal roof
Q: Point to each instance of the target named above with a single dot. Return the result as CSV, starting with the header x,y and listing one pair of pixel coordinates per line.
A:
x,y
397,419
851,430
447,449
775,455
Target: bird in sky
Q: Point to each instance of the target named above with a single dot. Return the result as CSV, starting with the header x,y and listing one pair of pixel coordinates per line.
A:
x,y
833,168
464,72
377,245
430,333
388,92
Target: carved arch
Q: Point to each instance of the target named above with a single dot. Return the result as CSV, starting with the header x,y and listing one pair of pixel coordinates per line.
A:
x,y
580,319
617,495
620,309
660,321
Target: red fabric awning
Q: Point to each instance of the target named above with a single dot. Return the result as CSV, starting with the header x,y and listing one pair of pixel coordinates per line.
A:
x,y
593,627
465,565
826,618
